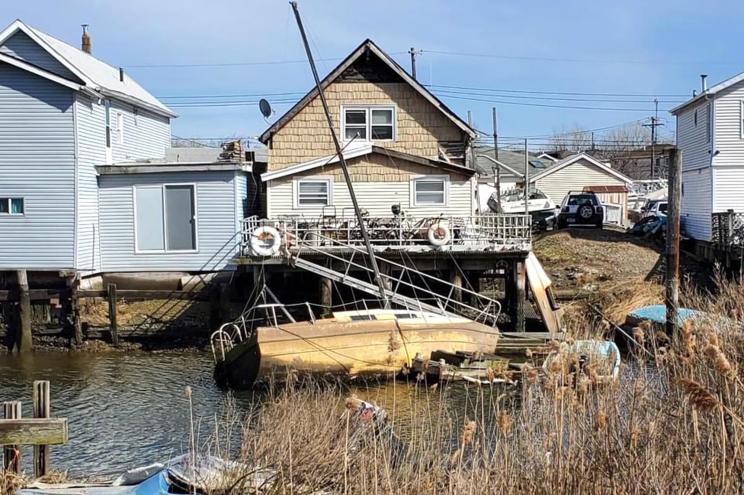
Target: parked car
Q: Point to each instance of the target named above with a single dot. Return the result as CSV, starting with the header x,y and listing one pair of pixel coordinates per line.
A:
x,y
512,201
654,207
581,208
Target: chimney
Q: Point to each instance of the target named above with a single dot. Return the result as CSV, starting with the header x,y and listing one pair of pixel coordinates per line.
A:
x,y
85,44
703,83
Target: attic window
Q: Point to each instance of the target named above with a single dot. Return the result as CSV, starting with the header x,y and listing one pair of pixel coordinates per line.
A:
x,y
369,123
694,118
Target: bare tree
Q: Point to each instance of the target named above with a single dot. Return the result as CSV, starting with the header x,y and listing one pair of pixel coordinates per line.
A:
x,y
573,140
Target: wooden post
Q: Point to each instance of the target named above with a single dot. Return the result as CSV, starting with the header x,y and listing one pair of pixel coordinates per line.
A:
x,y
386,271
326,294
455,278
23,340
12,453
42,401
77,326
520,276
112,314
672,241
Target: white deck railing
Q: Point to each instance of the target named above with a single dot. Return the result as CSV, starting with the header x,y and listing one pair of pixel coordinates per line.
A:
x,y
495,232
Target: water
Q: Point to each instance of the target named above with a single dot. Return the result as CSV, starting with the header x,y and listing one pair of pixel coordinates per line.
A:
x,y
123,409
130,409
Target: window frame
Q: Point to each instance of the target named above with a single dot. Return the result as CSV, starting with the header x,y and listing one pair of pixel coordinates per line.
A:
x,y
296,191
9,201
445,179
368,121
165,249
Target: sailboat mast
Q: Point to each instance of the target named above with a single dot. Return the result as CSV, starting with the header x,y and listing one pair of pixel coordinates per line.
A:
x,y
342,160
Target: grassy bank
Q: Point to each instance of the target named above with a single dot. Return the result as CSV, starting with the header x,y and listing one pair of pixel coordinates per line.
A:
x,y
672,424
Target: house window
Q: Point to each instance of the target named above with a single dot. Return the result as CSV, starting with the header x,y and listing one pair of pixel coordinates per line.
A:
x,y
375,123
165,218
429,191
313,192
11,206
107,110
694,117
119,128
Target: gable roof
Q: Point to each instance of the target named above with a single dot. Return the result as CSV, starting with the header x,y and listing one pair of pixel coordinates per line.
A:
x,y
363,150
367,45
95,74
709,92
561,164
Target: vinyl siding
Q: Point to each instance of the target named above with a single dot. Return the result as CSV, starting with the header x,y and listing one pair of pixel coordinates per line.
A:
x,y
22,47
146,135
376,198
728,128
37,162
575,177
692,139
217,239
697,203
90,122
728,182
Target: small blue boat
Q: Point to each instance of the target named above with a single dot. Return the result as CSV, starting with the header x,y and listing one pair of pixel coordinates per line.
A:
x,y
656,313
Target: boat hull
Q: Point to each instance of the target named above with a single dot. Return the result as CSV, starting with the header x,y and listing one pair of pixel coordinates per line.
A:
x,y
352,348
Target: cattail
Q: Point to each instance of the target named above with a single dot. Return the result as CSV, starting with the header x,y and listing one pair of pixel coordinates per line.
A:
x,y
556,365
582,387
187,392
713,339
689,339
490,374
468,431
639,336
661,337
601,422
720,362
699,396
530,373
504,422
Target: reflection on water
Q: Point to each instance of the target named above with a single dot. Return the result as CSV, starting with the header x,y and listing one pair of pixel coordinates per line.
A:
x,y
130,409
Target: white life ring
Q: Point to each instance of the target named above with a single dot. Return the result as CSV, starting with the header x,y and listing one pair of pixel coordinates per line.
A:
x,y
265,241
439,234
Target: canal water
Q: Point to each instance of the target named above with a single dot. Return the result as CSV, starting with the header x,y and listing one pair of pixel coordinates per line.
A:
x,y
130,409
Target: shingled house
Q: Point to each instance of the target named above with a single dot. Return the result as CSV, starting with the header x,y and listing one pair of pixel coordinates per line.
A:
x,y
403,146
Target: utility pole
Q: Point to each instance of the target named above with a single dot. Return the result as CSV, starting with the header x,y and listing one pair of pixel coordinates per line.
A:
x,y
526,180
653,125
672,240
497,175
413,53
342,161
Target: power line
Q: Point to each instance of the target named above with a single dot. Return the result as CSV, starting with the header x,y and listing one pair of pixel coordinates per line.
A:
x,y
568,93
551,98
504,102
235,64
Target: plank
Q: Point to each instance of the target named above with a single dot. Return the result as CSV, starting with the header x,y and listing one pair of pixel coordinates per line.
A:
x,y
37,431
540,285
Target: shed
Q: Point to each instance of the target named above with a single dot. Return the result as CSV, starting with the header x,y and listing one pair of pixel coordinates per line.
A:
x,y
171,216
582,172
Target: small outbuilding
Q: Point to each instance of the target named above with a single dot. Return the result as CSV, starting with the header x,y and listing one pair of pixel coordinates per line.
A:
x,y
170,216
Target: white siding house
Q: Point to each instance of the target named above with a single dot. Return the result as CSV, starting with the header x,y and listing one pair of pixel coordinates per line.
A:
x,y
710,136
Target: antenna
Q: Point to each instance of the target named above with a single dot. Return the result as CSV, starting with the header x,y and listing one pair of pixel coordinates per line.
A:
x,y
265,108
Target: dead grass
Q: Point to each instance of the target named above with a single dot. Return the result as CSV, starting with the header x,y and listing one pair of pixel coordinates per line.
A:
x,y
672,424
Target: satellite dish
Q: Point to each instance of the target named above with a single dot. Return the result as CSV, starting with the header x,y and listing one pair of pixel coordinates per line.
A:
x,y
265,108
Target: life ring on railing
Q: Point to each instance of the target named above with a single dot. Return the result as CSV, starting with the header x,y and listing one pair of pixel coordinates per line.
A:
x,y
439,234
265,241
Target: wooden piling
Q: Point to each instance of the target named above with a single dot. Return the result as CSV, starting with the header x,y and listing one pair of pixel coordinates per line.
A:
x,y
455,278
77,325
326,293
23,340
12,453
113,325
520,296
672,241
42,410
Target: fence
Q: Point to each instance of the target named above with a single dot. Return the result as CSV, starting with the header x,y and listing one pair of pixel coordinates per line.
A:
x,y
728,228
477,232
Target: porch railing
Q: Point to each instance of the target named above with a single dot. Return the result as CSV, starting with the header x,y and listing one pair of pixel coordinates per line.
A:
x,y
728,228
477,232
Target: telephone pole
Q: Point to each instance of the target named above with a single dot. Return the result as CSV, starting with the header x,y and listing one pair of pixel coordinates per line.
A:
x,y
413,53
653,125
497,177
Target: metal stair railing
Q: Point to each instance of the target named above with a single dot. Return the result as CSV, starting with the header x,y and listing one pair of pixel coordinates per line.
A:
x,y
487,310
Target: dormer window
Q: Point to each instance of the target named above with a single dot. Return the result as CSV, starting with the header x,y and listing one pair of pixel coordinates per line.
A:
x,y
376,123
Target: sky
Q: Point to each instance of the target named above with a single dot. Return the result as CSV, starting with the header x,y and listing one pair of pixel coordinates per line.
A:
x,y
212,61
